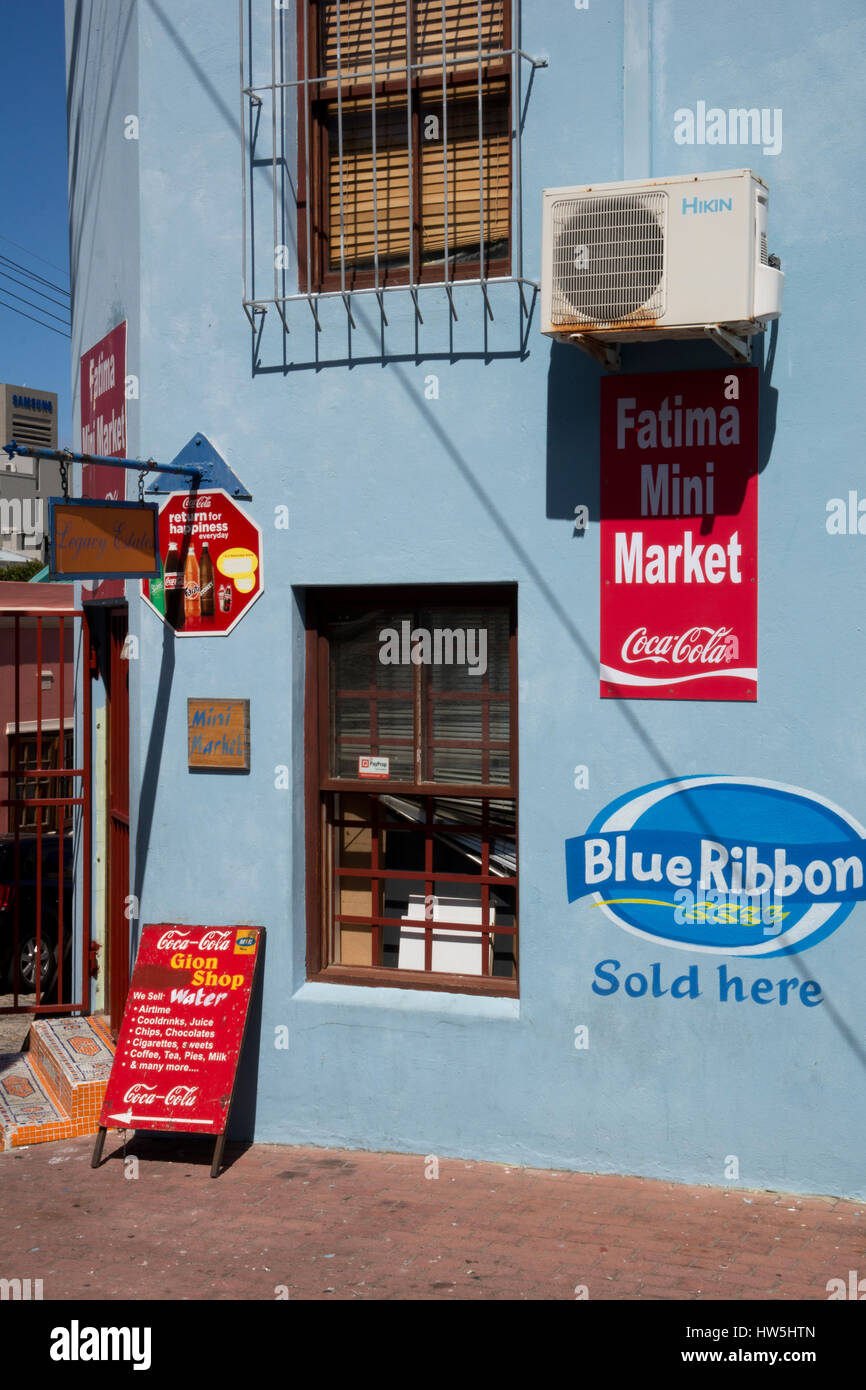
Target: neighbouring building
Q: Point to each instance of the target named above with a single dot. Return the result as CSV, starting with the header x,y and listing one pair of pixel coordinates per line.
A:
x,y
29,417
555,800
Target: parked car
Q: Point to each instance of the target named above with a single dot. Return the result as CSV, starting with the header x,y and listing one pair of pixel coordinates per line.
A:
x,y
27,919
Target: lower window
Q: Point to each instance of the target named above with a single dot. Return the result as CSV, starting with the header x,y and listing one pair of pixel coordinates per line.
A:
x,y
411,739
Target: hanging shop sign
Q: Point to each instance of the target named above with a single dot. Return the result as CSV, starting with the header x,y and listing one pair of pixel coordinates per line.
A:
x,y
734,866
679,535
91,540
103,427
182,1031
210,564
218,734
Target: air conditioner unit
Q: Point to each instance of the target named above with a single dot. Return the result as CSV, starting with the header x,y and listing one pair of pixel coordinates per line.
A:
x,y
680,257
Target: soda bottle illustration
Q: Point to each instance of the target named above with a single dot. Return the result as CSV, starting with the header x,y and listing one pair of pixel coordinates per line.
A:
x,y
156,588
173,587
191,588
206,580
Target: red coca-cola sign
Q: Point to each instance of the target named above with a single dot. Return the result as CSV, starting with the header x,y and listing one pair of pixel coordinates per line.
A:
x,y
182,1029
210,564
679,535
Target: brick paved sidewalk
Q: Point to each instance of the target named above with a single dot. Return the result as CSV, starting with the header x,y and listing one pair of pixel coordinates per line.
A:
x,y
347,1224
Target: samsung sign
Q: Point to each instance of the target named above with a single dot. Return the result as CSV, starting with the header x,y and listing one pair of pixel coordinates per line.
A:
x,y
32,403
727,865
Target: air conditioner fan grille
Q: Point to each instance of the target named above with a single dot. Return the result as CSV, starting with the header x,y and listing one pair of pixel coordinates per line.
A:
x,y
608,259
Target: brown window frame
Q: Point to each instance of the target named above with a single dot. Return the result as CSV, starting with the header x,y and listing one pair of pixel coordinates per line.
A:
x,y
312,115
319,785
29,789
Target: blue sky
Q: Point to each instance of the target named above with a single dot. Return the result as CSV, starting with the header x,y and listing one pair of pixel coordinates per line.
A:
x,y
34,218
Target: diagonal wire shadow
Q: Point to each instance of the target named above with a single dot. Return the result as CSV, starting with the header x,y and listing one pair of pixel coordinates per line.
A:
x,y
580,642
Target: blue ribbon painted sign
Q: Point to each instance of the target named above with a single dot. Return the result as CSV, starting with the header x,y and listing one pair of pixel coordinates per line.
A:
x,y
727,865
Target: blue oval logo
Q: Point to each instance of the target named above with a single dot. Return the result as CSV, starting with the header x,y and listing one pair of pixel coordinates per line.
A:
x,y
728,865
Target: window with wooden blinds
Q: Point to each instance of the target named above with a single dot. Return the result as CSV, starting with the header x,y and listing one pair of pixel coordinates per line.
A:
x,y
408,115
411,788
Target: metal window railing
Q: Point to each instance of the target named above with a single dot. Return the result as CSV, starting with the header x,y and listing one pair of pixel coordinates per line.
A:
x,y
268,79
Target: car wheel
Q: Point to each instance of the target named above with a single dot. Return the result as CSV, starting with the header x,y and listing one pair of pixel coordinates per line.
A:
x,y
31,963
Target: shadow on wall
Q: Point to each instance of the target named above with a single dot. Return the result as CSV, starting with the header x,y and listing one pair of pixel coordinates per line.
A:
x,y
573,409
242,1120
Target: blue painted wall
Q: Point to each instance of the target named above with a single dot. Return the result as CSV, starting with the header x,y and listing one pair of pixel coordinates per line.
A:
x,y
386,486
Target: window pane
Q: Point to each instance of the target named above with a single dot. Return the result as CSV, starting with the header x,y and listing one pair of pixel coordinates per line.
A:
x,y
470,655
454,180
461,30
353,719
410,884
472,648
354,895
452,765
375,209
355,38
372,702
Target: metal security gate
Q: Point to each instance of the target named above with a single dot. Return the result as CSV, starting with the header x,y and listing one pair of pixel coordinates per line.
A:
x,y
117,700
46,662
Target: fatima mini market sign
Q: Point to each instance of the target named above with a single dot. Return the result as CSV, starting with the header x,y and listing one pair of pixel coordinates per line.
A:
x,y
679,535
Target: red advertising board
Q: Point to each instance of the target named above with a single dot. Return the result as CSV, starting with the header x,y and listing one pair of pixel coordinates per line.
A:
x,y
211,564
182,1029
679,535
103,429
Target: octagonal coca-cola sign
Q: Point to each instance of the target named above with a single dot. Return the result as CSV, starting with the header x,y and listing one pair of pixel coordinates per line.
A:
x,y
210,554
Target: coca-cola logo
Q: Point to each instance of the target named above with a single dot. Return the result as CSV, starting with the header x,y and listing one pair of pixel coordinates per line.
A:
x,y
172,941
183,1096
215,941
140,1094
706,646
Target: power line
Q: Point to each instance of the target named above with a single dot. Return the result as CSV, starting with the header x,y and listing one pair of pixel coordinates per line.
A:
x,y
33,320
33,255
38,307
33,275
33,289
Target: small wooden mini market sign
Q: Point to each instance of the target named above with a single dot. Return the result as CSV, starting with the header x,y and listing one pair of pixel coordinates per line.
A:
x,y
218,734
182,1032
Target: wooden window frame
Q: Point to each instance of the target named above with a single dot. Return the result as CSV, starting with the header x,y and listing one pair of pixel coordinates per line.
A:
x,y
317,785
312,116
27,812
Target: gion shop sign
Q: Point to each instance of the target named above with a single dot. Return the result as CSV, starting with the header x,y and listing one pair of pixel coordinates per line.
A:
x,y
679,535
182,1033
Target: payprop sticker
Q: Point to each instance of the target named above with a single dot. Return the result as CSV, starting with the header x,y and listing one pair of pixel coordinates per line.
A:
x,y
726,865
679,535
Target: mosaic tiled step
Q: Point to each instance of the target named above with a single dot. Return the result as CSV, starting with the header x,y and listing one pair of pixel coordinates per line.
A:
x,y
55,1090
29,1111
74,1055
